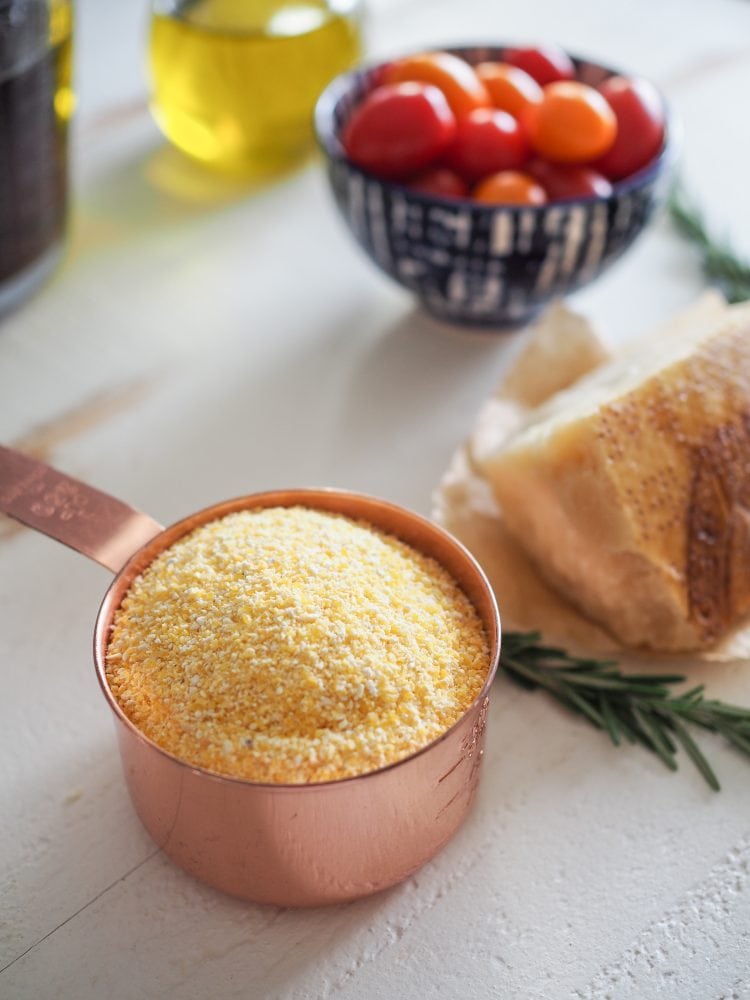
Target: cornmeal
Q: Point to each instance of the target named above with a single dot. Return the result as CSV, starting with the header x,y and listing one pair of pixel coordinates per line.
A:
x,y
292,645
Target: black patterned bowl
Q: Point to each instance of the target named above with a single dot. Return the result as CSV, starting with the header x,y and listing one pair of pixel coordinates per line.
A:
x,y
479,264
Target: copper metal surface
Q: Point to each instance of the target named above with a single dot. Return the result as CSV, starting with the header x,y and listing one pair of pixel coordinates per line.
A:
x,y
299,845
89,521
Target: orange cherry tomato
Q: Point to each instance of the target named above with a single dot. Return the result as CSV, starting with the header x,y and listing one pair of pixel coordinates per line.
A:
x,y
510,88
572,124
509,187
463,89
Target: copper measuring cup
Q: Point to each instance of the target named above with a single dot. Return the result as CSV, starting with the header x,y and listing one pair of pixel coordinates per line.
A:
x,y
289,845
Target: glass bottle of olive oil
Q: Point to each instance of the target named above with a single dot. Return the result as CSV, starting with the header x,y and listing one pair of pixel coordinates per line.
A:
x,y
235,81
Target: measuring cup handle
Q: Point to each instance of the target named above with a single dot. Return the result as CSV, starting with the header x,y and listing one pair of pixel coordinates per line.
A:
x,y
89,521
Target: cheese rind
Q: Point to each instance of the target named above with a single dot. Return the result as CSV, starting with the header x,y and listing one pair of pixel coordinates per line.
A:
x,y
631,490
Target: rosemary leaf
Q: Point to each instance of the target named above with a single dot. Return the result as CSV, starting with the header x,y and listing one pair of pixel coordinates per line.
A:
x,y
573,699
642,708
740,741
612,683
610,719
721,264
659,679
694,752
652,731
720,708
627,729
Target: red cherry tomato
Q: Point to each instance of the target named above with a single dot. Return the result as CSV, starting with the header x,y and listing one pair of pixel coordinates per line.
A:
x,y
572,124
545,63
398,129
454,76
487,141
509,187
640,125
566,183
440,181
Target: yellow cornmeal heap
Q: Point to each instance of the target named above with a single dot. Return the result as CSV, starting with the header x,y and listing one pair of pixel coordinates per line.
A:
x,y
293,645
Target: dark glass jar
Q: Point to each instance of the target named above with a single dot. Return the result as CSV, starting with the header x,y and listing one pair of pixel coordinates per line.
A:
x,y
36,101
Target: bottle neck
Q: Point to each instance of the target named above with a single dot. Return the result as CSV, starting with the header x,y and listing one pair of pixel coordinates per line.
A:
x,y
24,33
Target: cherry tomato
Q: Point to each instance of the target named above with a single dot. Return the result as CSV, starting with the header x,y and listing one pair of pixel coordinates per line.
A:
x,y
487,141
398,129
463,89
566,183
545,63
509,187
640,125
573,123
440,181
510,88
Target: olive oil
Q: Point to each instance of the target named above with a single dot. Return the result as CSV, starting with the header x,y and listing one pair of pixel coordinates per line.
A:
x,y
235,81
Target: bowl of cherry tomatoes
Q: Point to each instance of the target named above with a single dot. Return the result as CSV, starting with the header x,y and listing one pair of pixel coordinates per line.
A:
x,y
489,180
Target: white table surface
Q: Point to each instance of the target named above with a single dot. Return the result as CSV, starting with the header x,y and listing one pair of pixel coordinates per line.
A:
x,y
202,341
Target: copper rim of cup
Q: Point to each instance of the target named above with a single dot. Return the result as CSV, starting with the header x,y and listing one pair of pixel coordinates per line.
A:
x,y
417,531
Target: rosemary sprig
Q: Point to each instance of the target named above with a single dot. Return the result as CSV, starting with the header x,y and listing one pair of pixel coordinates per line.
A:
x,y
638,708
722,265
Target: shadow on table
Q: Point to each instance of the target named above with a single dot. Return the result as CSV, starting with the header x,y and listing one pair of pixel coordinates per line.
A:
x,y
153,186
380,412
175,176
411,400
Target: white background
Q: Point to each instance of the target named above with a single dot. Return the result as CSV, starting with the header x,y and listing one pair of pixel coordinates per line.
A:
x,y
202,341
